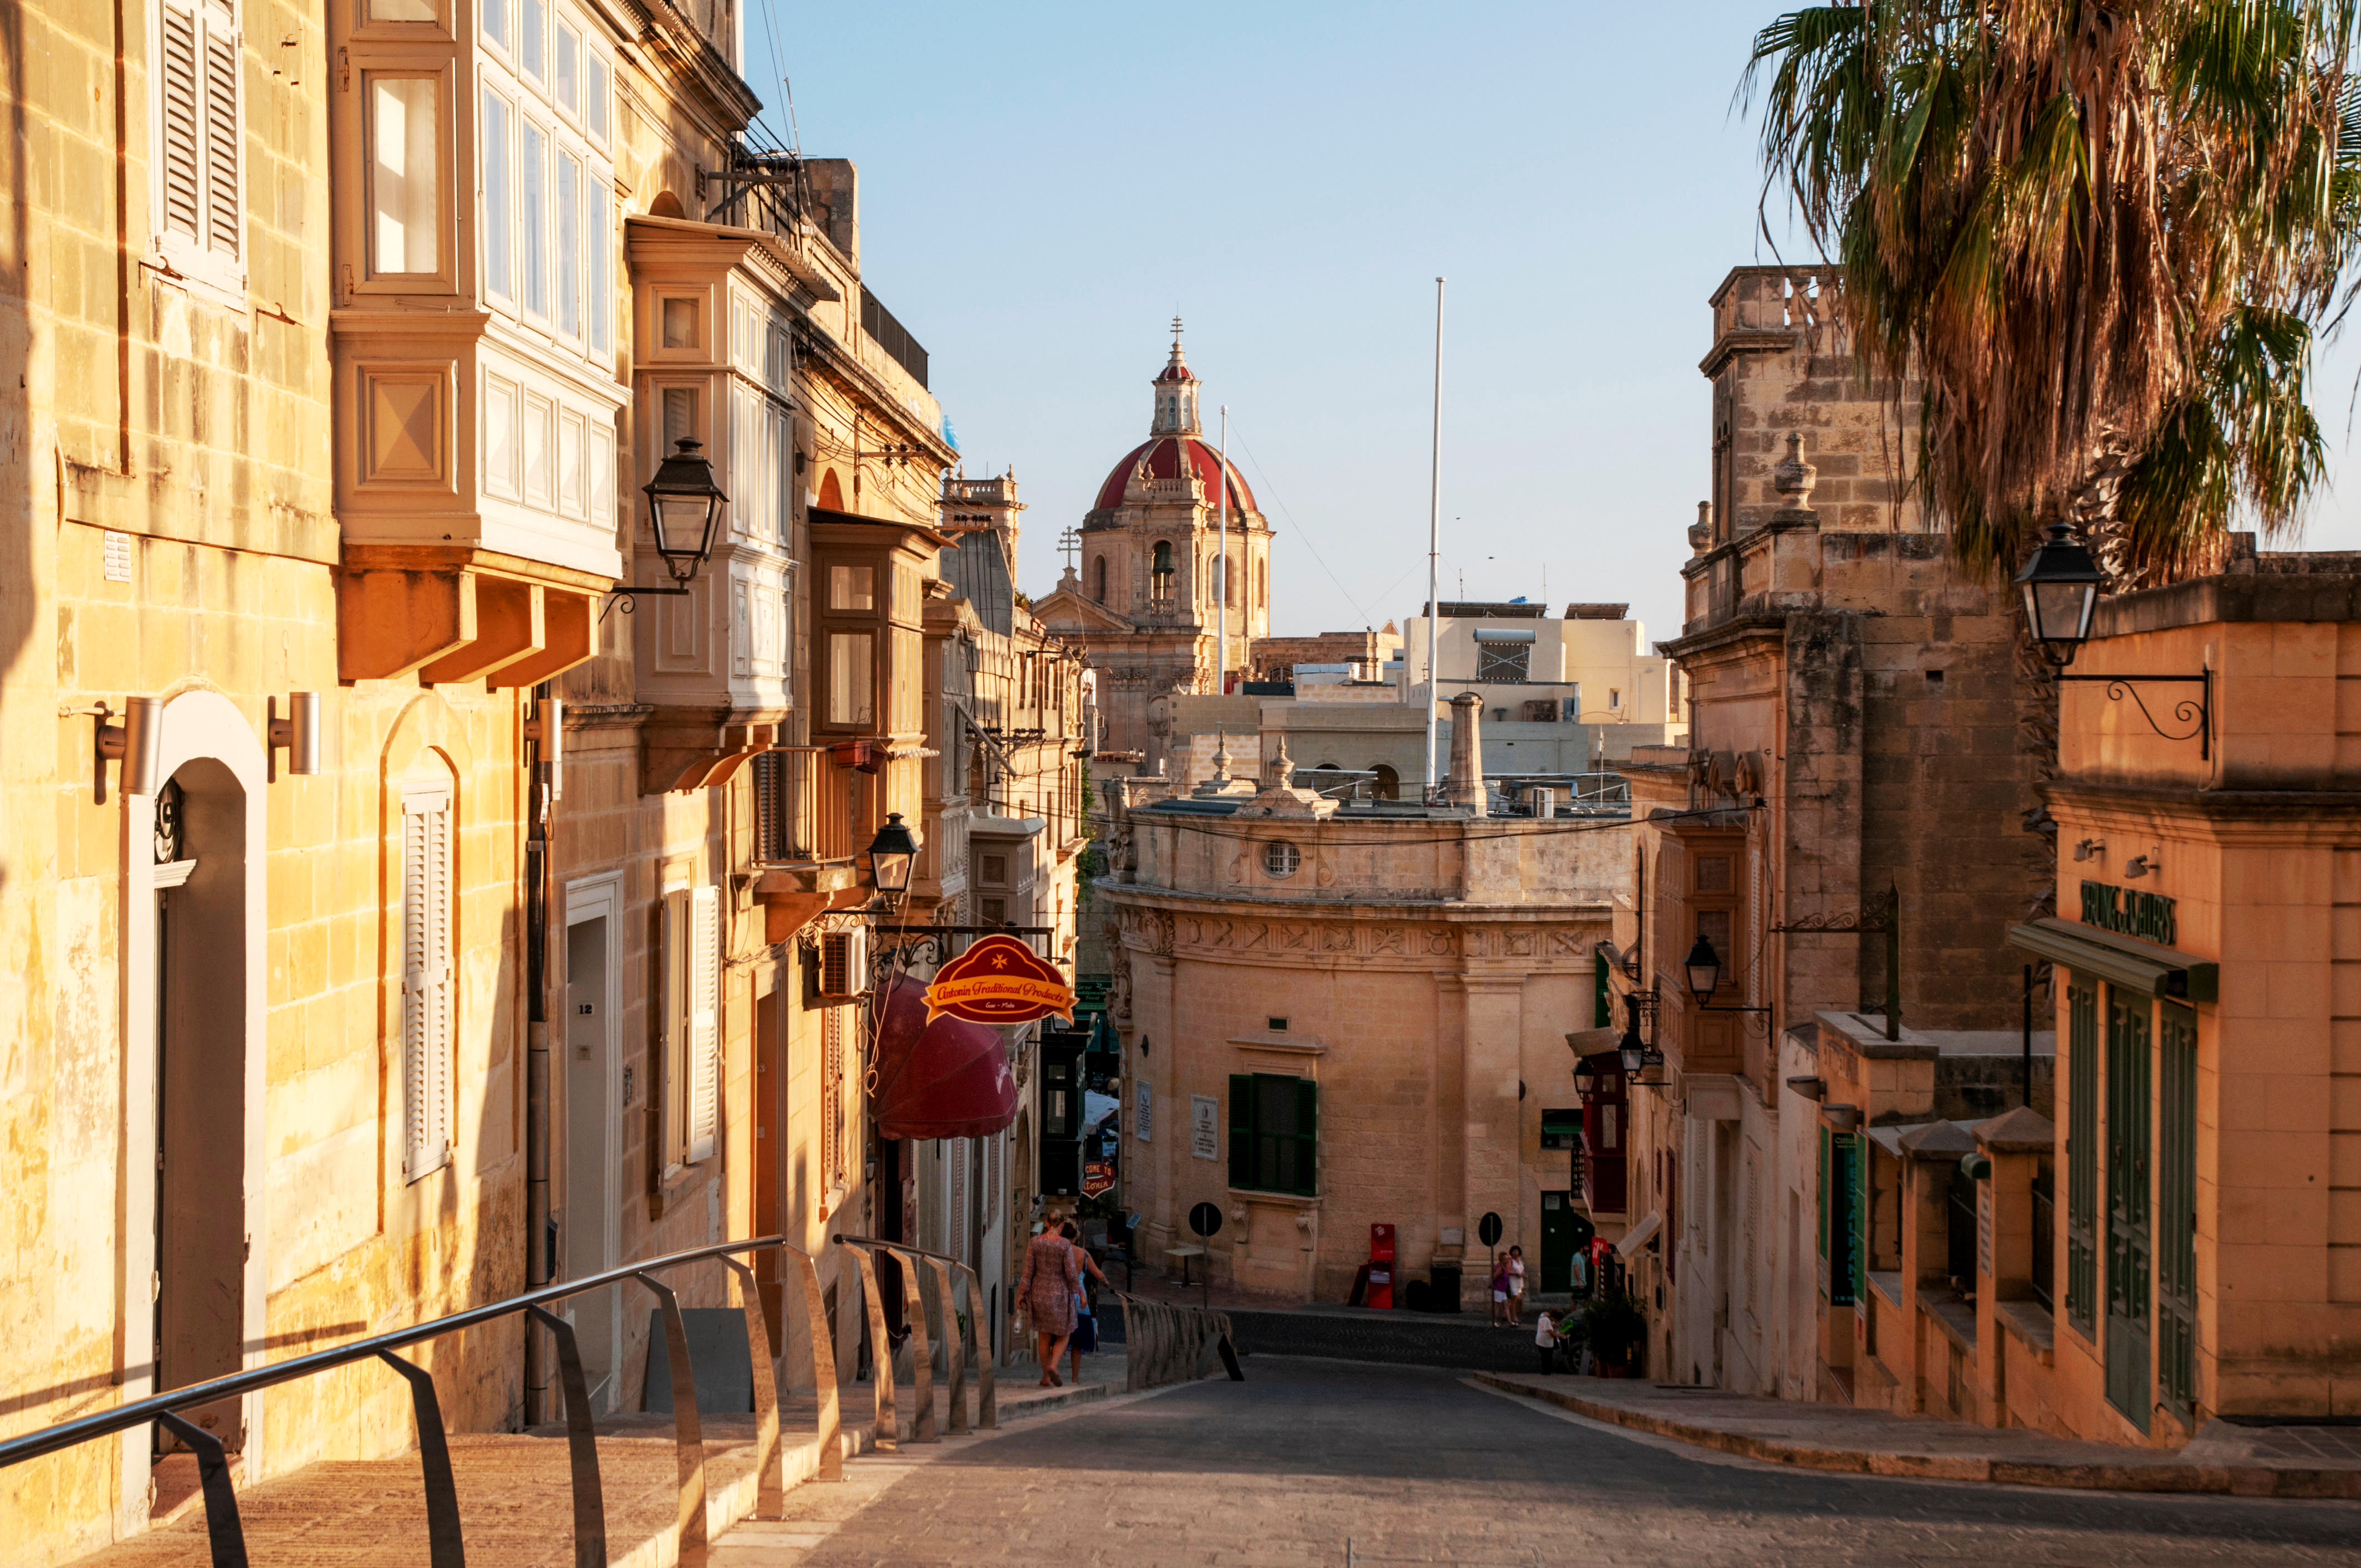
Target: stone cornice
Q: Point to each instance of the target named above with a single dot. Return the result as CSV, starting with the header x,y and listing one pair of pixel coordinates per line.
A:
x,y
2309,814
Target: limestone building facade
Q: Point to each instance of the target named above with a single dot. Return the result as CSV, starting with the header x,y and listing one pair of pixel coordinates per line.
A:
x,y
1334,1018
1145,603
1858,730
501,956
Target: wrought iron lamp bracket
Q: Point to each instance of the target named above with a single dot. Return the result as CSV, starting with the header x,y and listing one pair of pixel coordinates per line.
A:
x,y
2196,712
628,597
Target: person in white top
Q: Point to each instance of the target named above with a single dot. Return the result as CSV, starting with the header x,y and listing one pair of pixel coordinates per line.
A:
x,y
1546,1337
1516,1285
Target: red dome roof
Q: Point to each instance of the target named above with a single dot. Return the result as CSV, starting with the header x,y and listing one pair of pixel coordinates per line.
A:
x,y
1163,457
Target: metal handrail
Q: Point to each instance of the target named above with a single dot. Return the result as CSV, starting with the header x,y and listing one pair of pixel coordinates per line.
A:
x,y
922,1355
445,1548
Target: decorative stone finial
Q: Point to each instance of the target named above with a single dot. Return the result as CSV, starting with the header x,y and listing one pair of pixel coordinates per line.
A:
x,y
1701,531
1793,477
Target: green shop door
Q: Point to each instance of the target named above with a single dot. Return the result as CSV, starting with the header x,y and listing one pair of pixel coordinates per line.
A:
x,y
2130,1247
1566,1235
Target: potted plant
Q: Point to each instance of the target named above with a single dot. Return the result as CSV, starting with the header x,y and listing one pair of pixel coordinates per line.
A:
x,y
1615,1329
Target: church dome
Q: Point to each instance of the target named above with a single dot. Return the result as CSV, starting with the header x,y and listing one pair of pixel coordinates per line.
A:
x,y
1174,438
1164,455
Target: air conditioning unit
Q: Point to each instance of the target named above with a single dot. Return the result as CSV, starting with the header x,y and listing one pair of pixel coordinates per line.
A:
x,y
844,964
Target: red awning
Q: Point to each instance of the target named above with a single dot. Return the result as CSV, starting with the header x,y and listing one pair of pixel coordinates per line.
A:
x,y
948,1078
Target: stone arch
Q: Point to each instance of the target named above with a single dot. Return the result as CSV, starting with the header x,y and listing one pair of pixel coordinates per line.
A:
x,y
215,1012
667,205
1388,784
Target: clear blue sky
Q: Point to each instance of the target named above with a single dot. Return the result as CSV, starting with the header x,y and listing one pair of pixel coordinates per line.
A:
x,y
1043,185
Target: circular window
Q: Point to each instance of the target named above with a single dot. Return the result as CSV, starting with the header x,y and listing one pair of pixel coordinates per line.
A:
x,y
1280,857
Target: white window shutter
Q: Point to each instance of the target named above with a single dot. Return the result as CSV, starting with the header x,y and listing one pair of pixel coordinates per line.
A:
x,y
704,972
425,984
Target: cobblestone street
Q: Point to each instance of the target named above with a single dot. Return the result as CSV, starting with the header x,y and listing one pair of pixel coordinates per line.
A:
x,y
1307,1461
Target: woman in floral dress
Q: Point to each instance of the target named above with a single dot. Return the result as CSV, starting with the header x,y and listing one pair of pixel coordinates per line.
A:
x,y
1051,1282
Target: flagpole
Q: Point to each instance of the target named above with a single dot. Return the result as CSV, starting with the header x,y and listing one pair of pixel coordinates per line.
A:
x,y
1433,540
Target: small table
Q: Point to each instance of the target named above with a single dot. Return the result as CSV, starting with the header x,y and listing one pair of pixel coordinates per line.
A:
x,y
1183,1254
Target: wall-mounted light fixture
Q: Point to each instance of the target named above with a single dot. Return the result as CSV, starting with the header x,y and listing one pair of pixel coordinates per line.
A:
x,y
2090,849
137,743
1704,968
685,505
546,729
2060,583
888,860
298,734
2139,866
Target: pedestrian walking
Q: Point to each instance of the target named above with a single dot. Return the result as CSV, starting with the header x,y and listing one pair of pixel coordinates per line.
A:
x,y
1546,1337
1516,1285
1051,1283
1085,1340
1500,1293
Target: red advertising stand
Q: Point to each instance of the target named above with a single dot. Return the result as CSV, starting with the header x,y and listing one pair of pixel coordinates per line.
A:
x,y
1381,1266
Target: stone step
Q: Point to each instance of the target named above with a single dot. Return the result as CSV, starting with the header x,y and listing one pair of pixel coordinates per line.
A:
x,y
516,1499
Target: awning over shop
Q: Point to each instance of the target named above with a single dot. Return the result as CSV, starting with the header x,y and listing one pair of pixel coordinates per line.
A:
x,y
1562,1121
948,1078
2121,961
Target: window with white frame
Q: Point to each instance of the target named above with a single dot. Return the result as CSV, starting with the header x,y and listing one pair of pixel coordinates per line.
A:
x,y
199,137
569,244
532,212
600,207
426,980
594,96
692,1021
532,38
500,273
496,22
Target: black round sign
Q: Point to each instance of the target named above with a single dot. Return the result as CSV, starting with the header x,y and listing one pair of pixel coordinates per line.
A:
x,y
1487,1229
1204,1219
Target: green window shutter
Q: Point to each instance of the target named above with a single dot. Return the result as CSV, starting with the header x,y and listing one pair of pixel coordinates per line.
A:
x,y
1307,1138
2082,1153
1826,1197
1242,1134
1602,1004
1857,1169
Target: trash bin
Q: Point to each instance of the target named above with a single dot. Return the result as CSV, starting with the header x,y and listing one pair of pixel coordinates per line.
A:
x,y
1443,1288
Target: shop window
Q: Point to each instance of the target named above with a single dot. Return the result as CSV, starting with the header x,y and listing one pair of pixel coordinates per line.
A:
x,y
200,139
1274,1134
1841,1220
426,1023
405,209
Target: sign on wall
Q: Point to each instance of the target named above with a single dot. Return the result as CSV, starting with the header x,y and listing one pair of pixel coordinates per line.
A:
x,y
2150,916
1143,1118
1204,1126
1000,980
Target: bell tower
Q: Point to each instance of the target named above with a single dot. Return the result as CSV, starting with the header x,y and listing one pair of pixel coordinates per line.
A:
x,y
1176,394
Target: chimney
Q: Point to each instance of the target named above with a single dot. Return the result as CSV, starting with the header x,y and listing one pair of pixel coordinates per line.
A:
x,y
1464,785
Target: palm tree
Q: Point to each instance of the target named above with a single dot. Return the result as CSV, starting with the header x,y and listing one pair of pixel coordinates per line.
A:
x,y
2098,235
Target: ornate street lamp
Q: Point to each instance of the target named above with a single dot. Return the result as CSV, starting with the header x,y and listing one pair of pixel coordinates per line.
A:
x,y
685,505
1586,1079
888,860
2061,585
1704,967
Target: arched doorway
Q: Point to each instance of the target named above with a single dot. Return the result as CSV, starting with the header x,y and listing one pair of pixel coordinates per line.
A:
x,y
1388,784
196,1239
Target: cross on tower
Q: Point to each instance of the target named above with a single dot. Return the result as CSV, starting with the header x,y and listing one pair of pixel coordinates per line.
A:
x,y
1176,326
1069,544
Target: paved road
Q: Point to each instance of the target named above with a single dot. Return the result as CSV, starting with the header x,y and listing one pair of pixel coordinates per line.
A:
x,y
1410,1466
